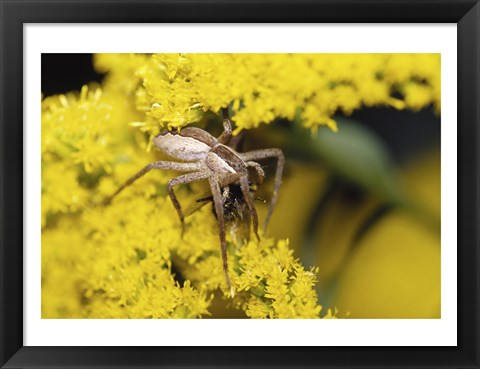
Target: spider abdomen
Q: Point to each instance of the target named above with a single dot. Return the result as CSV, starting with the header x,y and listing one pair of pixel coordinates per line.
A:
x,y
181,147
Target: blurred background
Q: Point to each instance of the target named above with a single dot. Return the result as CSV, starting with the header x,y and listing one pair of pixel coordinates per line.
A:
x,y
362,204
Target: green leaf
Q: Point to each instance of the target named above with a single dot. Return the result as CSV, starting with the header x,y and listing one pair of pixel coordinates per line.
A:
x,y
359,155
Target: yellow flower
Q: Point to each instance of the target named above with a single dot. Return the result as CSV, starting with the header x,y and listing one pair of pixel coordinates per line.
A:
x,y
175,90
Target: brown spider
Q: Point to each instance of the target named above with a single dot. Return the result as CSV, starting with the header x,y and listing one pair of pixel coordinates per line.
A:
x,y
205,157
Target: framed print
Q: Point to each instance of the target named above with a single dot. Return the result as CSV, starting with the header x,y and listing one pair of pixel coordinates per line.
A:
x,y
257,165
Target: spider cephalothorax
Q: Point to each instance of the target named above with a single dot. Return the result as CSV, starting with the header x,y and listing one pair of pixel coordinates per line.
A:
x,y
204,157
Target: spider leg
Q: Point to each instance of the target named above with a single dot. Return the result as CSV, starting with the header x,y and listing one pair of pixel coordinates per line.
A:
x,y
227,129
258,169
166,165
237,140
218,203
263,154
183,179
249,200
246,221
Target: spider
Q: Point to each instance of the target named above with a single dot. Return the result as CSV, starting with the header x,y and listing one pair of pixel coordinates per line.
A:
x,y
204,157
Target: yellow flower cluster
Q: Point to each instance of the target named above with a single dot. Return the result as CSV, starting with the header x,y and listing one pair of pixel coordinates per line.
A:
x,y
127,260
288,288
175,90
114,262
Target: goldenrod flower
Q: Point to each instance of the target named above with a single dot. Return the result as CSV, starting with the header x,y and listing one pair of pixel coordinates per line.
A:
x,y
175,90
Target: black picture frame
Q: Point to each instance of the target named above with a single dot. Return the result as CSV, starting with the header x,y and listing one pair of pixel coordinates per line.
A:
x,y
15,13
